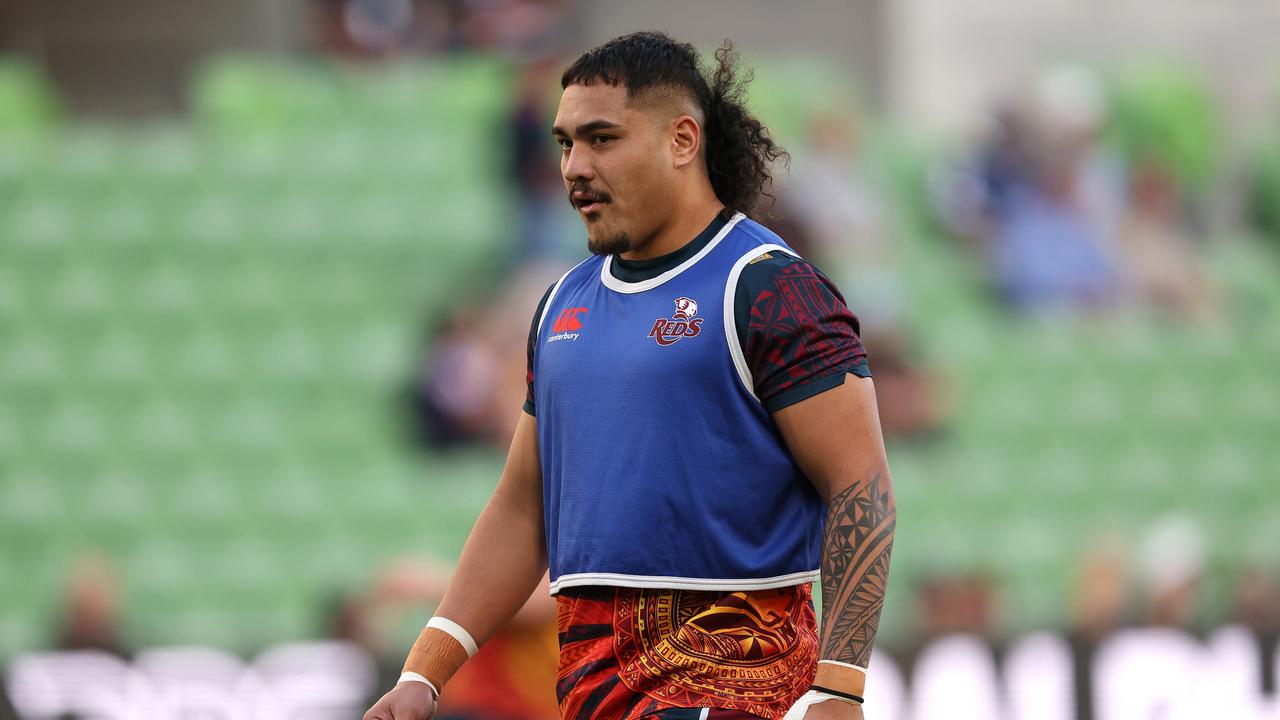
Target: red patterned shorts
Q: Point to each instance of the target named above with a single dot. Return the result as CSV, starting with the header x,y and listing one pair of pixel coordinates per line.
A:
x,y
628,653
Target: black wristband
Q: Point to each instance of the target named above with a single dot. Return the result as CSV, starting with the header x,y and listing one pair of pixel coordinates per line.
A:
x,y
837,693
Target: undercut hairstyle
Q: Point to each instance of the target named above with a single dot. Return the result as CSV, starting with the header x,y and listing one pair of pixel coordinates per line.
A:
x,y
739,150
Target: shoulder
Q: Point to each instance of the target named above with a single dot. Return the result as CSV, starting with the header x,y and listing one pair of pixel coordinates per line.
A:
x,y
758,254
797,336
763,271
777,270
747,235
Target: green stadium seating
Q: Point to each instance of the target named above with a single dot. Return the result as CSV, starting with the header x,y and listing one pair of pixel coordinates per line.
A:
x,y
203,328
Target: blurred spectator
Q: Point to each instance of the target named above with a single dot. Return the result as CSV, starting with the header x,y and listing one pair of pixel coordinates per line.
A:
x,y
950,603
1050,240
404,584
452,396
542,229
471,383
1157,248
1004,163
962,602
910,397
380,28
91,609
1172,569
971,196
1043,199
1098,609
518,29
1102,585
1047,255
350,618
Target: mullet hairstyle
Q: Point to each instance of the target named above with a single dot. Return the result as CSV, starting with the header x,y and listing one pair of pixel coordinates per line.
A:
x,y
739,149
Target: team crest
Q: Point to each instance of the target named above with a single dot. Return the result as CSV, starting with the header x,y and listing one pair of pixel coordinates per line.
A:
x,y
681,324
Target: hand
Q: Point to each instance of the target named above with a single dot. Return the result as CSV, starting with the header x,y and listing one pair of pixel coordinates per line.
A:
x,y
834,710
811,706
405,701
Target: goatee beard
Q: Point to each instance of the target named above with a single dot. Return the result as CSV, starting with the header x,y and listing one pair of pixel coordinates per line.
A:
x,y
615,244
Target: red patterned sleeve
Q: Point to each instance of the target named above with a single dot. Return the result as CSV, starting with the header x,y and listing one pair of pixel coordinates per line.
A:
x,y
797,334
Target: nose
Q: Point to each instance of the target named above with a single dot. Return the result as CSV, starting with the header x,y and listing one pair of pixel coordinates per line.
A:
x,y
575,165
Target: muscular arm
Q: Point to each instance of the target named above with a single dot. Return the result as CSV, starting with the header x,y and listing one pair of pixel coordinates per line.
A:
x,y
835,438
505,556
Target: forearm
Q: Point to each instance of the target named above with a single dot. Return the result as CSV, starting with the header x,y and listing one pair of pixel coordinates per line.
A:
x,y
855,568
501,564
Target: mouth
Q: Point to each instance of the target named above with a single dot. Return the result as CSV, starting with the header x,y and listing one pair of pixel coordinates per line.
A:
x,y
587,203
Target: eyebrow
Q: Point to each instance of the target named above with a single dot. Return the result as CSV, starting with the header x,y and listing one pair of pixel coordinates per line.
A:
x,y
587,128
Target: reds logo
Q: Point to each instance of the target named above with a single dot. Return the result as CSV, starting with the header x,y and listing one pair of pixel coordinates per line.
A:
x,y
681,324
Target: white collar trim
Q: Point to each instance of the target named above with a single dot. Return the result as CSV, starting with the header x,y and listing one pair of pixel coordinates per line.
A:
x,y
622,286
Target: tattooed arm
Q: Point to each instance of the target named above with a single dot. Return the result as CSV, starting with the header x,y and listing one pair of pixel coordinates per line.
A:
x,y
835,438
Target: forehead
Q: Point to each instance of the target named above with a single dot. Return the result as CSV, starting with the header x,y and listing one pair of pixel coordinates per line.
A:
x,y
581,104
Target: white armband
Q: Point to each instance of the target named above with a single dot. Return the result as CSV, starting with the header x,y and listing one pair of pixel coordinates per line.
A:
x,y
458,632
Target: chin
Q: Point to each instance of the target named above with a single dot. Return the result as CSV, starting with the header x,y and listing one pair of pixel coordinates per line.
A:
x,y
608,243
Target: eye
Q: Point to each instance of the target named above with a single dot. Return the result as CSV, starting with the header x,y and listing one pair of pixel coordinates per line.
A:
x,y
600,139
564,143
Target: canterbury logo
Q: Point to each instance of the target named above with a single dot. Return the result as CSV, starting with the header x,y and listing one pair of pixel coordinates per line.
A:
x,y
568,320
681,324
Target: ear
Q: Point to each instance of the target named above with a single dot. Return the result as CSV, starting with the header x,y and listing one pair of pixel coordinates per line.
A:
x,y
686,140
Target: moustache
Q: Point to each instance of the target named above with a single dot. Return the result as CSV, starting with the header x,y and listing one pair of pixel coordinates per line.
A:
x,y
580,195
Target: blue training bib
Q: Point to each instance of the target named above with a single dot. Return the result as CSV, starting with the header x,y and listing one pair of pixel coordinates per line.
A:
x,y
660,467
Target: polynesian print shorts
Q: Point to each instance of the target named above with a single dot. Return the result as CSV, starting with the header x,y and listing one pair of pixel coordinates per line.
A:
x,y
629,653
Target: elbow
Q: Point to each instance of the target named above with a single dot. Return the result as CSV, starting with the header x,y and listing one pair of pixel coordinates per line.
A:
x,y
872,493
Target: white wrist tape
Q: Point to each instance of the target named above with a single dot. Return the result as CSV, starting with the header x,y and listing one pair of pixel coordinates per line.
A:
x,y
458,632
810,698
415,677
813,697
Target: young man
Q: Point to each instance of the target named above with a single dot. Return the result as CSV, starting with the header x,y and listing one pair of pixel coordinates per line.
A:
x,y
699,404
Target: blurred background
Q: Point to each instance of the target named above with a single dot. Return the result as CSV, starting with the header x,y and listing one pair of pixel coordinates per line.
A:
x,y
267,270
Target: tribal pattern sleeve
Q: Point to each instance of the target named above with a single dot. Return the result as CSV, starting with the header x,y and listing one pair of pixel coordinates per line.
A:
x,y
855,569
798,336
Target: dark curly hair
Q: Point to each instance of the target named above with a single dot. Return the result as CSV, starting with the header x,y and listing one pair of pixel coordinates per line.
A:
x,y
739,149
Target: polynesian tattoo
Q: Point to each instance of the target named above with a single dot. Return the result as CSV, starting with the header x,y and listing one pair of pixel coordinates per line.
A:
x,y
855,569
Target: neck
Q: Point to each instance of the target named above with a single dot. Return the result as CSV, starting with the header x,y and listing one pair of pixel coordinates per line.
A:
x,y
685,221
